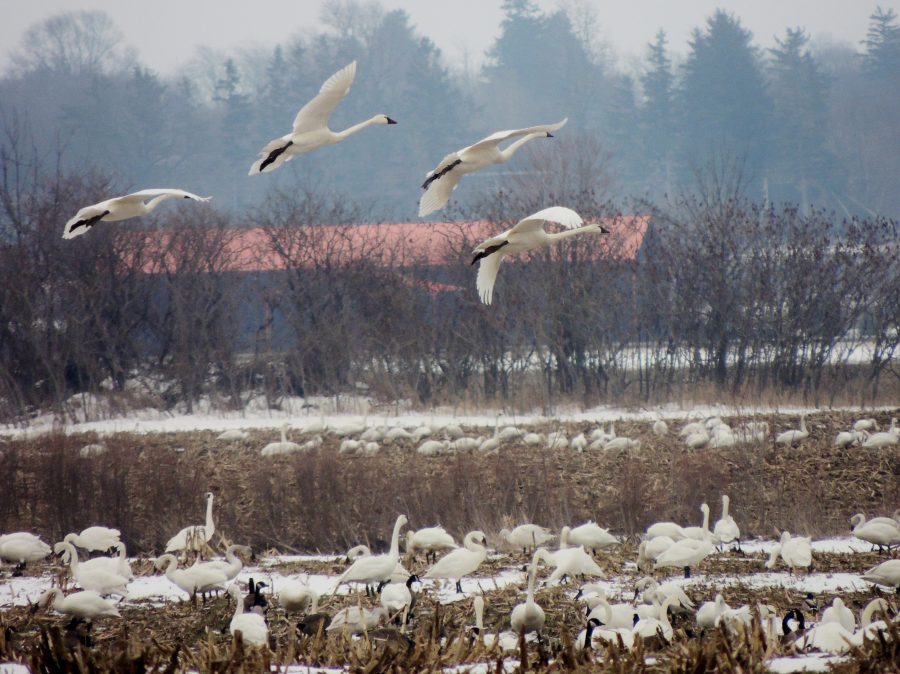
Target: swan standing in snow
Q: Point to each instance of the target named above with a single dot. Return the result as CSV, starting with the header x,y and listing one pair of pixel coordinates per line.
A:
x,y
375,568
122,208
529,616
194,579
887,574
527,234
252,626
592,536
84,605
310,130
649,589
440,183
526,536
568,562
231,565
726,529
684,554
429,539
94,539
795,551
794,436
194,538
881,531
22,547
99,579
118,564
457,564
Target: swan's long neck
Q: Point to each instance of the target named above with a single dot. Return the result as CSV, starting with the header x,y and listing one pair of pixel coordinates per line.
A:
x,y
569,233
865,617
664,610
564,538
210,526
773,556
532,572
154,202
506,155
349,131
706,519
283,434
73,558
395,539
479,615
238,604
803,424
607,610
725,501
315,602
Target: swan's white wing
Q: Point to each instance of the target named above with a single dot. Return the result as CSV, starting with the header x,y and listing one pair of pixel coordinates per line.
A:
x,y
84,219
500,136
487,276
315,114
438,193
143,194
442,168
558,214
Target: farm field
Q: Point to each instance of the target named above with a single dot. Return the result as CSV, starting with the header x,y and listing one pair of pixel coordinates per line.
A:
x,y
300,512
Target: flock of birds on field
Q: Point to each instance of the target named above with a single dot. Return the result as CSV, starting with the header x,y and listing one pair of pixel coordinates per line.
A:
x,y
664,545
310,132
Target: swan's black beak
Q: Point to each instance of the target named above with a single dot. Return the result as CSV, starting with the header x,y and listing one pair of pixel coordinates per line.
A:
x,y
604,230
549,135
391,121
578,594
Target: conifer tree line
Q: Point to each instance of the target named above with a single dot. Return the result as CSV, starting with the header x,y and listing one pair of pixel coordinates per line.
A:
x,y
771,262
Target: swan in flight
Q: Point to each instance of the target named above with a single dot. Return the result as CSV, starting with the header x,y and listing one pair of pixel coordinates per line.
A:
x,y
122,208
440,183
311,130
527,234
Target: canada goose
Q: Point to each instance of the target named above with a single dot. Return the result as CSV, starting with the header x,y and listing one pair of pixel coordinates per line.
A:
x,y
726,529
592,536
507,642
887,574
314,623
684,554
84,605
255,601
252,626
527,234
310,130
98,579
356,619
457,564
526,536
122,208
283,446
22,547
440,183
194,538
431,540
529,616
795,551
794,436
375,568
94,539
194,579
882,531
585,638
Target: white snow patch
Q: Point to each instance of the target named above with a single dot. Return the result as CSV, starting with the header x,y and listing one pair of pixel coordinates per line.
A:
x,y
13,668
812,662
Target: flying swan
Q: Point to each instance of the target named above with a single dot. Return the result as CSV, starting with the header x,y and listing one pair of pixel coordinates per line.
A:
x,y
440,183
311,130
122,208
527,234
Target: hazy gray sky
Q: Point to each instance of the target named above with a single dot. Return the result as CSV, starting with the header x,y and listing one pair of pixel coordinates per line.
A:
x,y
166,32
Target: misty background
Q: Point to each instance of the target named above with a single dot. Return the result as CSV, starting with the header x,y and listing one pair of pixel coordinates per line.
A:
x,y
810,122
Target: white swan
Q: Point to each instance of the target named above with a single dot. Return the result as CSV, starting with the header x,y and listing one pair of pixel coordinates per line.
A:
x,y
397,598
397,433
726,529
440,183
794,436
670,529
430,539
650,589
118,564
233,435
613,616
310,130
457,564
283,446
709,612
650,550
99,580
684,554
592,536
570,562
122,208
579,443
22,547
850,438
529,616
527,234
95,539
526,536
656,627
621,444
887,574
795,551
869,629
85,605
701,533
882,532
433,447
375,568
506,641
252,626
297,596
885,438
660,428
194,538
232,565
865,425
356,619
839,613
193,579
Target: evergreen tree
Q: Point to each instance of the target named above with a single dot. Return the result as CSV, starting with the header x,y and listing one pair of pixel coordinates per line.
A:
x,y
722,99
803,168
656,117
882,57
